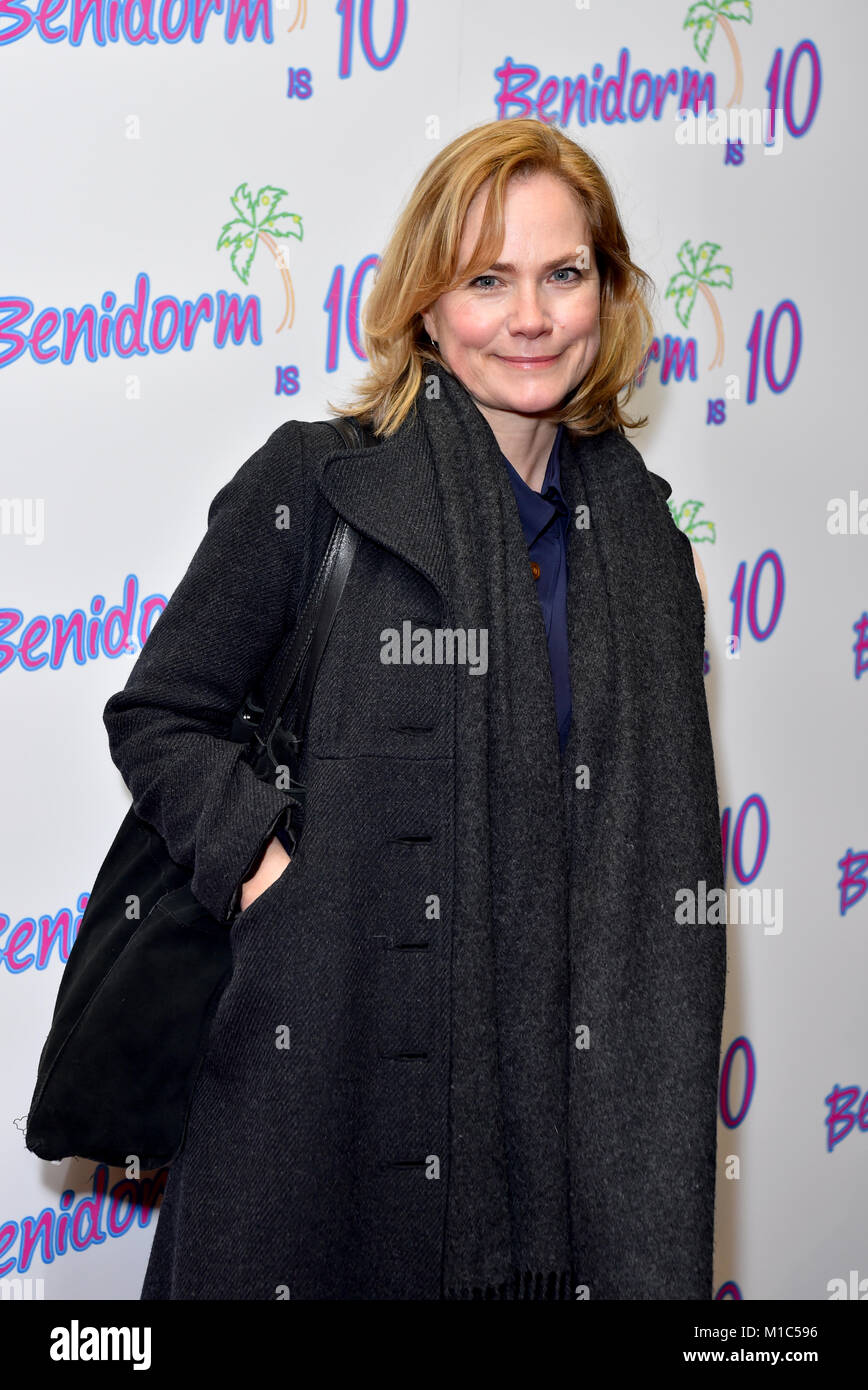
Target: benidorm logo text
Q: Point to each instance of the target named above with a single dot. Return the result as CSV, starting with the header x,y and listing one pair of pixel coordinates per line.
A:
x,y
75,1343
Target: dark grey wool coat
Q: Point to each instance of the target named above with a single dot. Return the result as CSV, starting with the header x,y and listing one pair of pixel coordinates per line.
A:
x,y
313,1170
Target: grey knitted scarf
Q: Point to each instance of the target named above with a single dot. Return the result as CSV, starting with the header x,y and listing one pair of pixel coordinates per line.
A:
x,y
586,1022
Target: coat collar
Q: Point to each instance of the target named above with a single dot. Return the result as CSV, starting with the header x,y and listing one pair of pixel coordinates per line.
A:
x,y
389,492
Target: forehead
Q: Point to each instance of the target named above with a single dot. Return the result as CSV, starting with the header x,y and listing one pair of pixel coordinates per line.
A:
x,y
538,206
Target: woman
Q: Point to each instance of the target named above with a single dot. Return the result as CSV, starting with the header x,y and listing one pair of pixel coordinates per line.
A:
x,y
466,1050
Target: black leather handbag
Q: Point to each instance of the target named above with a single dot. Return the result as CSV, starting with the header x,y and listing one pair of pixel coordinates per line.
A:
x,y
136,999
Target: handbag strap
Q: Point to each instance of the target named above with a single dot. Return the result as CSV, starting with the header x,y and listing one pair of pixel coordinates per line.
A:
x,y
313,627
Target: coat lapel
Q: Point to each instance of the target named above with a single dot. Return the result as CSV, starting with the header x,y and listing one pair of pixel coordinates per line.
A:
x,y
389,492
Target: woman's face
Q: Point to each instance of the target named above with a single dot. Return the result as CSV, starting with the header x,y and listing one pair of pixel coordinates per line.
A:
x,y
525,333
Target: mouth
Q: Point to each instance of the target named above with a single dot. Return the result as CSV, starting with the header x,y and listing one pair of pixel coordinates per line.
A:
x,y
529,363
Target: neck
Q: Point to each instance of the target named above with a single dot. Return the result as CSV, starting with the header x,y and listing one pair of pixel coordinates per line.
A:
x,y
526,442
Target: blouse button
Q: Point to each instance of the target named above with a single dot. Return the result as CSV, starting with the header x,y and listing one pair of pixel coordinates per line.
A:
x,y
535,569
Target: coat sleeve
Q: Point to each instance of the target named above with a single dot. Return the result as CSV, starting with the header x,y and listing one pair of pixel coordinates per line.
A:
x,y
168,729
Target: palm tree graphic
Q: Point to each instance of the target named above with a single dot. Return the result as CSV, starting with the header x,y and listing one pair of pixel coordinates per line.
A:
x,y
685,518
704,17
699,272
300,13
258,220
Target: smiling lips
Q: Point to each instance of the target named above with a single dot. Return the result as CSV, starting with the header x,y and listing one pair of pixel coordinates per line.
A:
x,y
530,362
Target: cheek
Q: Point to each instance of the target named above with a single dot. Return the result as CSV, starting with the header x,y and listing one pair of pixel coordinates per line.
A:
x,y
584,322
473,325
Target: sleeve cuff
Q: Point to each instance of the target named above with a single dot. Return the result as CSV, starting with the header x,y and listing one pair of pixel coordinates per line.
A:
x,y
232,836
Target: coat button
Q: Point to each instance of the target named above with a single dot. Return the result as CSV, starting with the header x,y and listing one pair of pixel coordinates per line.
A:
x,y
535,569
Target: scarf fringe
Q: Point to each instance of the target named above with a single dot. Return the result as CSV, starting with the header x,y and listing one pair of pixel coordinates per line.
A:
x,y
528,1284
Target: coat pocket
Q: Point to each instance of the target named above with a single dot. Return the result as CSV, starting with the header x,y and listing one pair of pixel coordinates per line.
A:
x,y
270,891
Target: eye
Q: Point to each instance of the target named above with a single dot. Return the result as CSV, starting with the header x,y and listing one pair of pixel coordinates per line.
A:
x,y
562,270
571,269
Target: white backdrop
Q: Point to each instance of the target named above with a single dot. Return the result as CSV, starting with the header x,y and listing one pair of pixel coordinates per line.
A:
x,y
120,162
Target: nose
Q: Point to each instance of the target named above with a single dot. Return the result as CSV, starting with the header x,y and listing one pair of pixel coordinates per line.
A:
x,y
528,317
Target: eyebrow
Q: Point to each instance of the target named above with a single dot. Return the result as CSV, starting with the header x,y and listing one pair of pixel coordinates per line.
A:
x,y
549,265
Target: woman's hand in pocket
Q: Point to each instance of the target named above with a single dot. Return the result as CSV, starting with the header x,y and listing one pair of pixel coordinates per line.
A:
x,y
271,866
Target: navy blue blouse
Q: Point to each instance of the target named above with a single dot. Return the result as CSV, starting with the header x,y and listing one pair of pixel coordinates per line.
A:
x,y
544,519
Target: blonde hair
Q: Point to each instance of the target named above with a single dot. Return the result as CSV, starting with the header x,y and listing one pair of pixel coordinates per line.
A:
x,y
420,263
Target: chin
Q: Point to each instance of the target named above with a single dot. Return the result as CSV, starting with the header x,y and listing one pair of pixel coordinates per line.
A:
x,y
538,399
